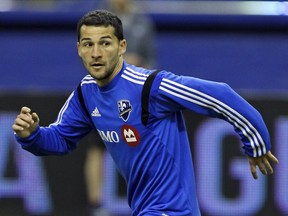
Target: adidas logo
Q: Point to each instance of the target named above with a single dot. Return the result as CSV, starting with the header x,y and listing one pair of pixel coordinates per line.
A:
x,y
96,112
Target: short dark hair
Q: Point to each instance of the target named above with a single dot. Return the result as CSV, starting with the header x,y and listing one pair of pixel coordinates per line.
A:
x,y
101,18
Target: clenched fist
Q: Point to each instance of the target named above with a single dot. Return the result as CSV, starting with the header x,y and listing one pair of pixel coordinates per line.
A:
x,y
25,123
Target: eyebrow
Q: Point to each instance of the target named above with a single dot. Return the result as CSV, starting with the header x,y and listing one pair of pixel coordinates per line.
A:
x,y
104,37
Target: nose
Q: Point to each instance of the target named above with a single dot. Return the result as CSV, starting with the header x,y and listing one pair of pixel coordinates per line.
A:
x,y
96,52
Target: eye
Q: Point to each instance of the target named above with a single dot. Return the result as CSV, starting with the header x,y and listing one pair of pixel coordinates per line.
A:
x,y
106,43
87,44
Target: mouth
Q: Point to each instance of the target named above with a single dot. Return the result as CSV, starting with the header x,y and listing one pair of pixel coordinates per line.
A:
x,y
97,64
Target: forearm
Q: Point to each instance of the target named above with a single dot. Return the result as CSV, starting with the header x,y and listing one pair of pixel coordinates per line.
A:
x,y
247,122
45,141
216,100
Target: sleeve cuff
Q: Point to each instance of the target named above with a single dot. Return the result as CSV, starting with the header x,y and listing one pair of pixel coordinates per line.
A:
x,y
28,140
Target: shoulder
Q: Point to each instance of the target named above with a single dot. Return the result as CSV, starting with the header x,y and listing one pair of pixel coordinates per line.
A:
x,y
139,75
135,74
88,80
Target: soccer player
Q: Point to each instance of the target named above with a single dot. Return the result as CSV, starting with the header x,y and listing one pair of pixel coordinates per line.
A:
x,y
138,114
138,27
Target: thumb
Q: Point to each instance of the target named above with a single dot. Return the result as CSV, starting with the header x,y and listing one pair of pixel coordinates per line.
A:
x,y
35,123
272,157
35,118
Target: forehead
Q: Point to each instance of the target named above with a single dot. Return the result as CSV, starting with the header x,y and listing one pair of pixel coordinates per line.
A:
x,y
96,32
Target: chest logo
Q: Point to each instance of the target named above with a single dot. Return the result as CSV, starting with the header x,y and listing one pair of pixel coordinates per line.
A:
x,y
124,108
130,135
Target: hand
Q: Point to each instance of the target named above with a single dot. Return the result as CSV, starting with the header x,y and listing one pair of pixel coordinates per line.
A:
x,y
25,123
263,163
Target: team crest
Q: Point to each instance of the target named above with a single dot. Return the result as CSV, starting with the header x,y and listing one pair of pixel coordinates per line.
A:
x,y
125,109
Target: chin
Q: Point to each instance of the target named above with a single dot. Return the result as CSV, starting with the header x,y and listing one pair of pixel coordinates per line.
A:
x,y
99,76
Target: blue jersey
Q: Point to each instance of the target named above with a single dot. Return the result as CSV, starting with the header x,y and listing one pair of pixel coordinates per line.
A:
x,y
154,159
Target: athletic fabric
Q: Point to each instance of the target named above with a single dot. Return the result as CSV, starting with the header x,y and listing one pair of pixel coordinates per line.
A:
x,y
155,160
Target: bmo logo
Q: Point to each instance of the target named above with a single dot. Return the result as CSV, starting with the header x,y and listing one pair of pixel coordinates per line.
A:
x,y
130,135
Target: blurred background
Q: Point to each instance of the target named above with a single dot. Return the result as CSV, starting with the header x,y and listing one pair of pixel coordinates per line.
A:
x,y
242,43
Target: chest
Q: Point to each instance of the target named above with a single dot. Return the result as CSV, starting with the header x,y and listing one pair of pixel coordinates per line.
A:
x,y
117,106
116,114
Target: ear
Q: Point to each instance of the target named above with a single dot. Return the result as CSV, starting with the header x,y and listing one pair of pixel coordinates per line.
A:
x,y
123,45
78,48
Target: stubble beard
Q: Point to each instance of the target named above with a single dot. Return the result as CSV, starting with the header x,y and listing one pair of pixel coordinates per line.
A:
x,y
105,75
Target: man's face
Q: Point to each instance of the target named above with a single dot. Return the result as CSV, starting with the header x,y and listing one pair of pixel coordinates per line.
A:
x,y
100,51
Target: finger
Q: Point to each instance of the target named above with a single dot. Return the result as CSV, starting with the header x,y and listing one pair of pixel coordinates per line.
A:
x,y
25,110
17,128
262,168
272,157
22,121
253,171
268,167
20,124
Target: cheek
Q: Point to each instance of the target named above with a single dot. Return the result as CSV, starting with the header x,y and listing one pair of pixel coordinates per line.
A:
x,y
114,54
84,59
83,56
